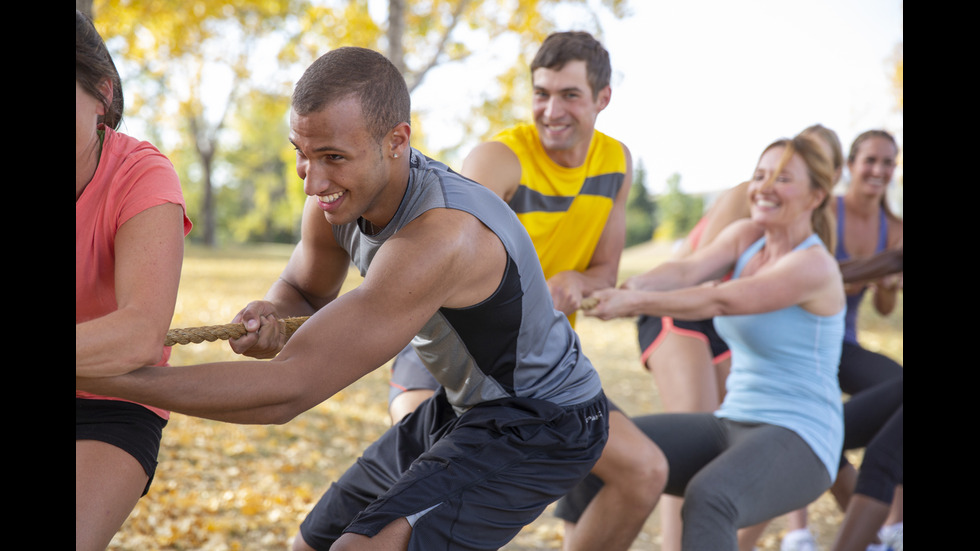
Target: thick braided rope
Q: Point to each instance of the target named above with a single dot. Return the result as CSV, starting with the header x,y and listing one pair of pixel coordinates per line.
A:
x,y
227,331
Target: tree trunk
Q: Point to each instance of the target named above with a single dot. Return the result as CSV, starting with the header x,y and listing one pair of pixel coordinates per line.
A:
x,y
396,29
85,6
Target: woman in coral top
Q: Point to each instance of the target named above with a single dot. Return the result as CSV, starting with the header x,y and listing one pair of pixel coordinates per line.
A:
x,y
130,224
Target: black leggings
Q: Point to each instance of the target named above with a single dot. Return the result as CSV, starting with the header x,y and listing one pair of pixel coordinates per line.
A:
x,y
873,419
861,369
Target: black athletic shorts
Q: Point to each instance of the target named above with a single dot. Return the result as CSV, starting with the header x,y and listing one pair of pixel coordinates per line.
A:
x,y
125,425
651,330
471,479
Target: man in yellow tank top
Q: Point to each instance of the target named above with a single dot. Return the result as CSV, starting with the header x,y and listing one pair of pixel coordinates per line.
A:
x,y
568,184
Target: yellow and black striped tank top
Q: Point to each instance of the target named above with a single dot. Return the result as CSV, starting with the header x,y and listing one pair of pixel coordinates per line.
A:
x,y
564,209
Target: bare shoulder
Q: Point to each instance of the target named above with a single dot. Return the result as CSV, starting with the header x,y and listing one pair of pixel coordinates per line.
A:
x,y
494,165
628,180
817,260
629,156
742,233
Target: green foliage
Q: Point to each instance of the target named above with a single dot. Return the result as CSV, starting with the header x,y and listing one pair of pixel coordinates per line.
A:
x,y
190,69
264,198
640,210
677,212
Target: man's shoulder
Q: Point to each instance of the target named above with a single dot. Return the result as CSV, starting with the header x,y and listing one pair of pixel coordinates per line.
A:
x,y
605,140
522,131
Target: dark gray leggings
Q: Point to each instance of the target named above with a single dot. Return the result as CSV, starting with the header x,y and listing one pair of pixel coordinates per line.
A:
x,y
730,474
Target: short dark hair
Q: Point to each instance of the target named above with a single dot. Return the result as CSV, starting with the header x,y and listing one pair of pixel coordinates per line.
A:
x,y
560,48
362,73
93,66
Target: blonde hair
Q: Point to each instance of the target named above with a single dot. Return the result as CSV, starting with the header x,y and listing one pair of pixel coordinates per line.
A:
x,y
830,137
820,169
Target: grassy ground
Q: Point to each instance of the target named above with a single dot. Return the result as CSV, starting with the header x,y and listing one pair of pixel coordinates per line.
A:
x,y
229,487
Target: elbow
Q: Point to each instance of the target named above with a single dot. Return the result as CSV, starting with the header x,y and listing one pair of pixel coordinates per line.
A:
x,y
719,308
142,343
291,396
255,414
147,349
139,353
290,408
282,415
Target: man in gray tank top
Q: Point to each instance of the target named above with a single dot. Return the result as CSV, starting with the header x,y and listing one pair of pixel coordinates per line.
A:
x,y
448,267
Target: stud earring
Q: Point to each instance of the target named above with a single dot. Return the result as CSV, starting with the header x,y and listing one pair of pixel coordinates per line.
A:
x,y
395,156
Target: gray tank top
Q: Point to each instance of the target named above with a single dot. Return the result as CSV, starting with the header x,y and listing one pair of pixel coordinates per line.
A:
x,y
514,344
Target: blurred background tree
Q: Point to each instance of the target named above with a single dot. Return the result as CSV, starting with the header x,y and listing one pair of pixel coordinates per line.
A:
x,y
677,212
640,209
208,82
897,191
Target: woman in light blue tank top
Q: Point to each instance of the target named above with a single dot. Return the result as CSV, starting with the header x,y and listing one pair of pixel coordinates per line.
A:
x,y
774,444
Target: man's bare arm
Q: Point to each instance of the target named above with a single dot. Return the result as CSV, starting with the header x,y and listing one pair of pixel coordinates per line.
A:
x,y
432,263
879,265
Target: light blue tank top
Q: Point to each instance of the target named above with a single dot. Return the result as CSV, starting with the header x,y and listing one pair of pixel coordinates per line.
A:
x,y
784,370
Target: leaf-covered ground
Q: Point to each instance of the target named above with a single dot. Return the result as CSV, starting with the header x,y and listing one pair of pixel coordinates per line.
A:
x,y
223,487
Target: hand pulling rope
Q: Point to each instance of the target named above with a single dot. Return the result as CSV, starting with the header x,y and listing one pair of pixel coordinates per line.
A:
x,y
228,331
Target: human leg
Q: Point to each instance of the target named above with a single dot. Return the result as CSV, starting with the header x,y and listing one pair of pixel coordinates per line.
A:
x,y
894,524
874,419
634,471
688,441
498,485
406,402
108,483
394,537
688,380
766,471
862,369
380,466
410,385
682,368
860,526
116,447
882,470
480,477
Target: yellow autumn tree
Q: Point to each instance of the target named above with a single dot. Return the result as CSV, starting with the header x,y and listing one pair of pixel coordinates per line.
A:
x,y
188,65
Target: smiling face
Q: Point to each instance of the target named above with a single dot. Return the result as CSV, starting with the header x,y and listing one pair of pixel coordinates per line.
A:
x,y
781,192
872,166
565,111
343,167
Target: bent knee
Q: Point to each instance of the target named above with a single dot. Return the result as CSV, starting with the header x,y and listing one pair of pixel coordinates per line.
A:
x,y
631,461
708,503
639,477
648,468
299,544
